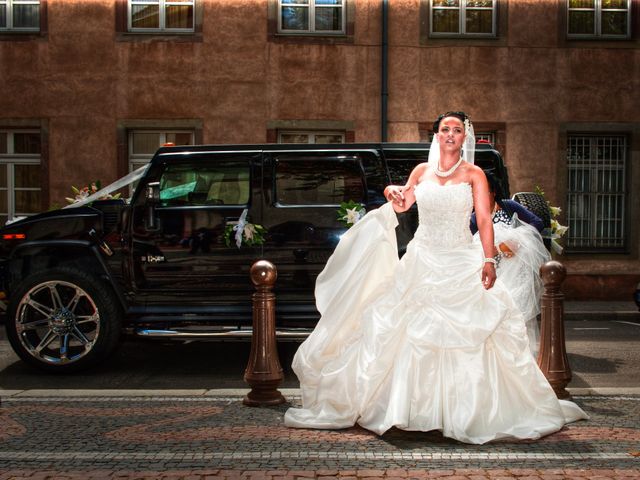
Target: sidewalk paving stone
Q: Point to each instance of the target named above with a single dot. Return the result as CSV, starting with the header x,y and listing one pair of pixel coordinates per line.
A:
x,y
218,437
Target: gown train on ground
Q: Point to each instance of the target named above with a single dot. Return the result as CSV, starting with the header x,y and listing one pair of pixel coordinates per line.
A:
x,y
418,343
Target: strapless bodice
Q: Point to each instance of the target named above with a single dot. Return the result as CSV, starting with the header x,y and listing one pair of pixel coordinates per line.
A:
x,y
444,212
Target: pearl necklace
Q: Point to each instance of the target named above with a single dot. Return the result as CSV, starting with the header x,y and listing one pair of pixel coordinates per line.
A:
x,y
440,173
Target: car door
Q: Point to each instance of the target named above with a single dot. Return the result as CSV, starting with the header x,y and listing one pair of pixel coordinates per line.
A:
x,y
400,162
187,258
303,191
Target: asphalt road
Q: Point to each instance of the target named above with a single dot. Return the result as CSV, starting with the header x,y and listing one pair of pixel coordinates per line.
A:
x,y
601,353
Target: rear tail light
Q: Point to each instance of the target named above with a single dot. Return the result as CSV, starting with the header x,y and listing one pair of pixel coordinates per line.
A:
x,y
14,236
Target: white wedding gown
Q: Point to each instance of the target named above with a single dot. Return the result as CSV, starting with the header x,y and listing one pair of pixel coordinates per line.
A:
x,y
418,343
521,272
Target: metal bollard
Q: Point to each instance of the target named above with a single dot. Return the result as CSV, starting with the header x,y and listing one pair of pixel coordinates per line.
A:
x,y
263,372
552,357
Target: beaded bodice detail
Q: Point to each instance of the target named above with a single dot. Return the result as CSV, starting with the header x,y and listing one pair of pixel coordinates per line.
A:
x,y
444,212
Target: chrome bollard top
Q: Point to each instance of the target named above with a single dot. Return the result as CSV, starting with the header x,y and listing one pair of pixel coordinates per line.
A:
x,y
263,273
553,273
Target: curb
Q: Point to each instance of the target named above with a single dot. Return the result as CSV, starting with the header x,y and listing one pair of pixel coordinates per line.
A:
x,y
203,393
237,392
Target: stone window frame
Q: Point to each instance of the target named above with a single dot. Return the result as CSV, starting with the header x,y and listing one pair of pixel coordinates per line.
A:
x,y
463,8
631,41
632,212
345,37
125,127
28,125
594,165
137,160
31,33
346,128
312,134
597,11
162,17
498,38
497,130
312,6
125,34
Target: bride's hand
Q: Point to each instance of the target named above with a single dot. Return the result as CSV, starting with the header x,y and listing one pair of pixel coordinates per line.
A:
x,y
506,250
488,275
395,194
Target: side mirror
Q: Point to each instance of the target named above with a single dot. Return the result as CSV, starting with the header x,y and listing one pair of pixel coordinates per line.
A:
x,y
152,196
153,192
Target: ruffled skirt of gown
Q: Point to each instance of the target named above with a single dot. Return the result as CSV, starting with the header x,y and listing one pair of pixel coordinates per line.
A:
x,y
521,272
419,344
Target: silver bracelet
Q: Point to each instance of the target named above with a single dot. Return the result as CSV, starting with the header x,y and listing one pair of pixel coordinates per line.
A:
x,y
490,260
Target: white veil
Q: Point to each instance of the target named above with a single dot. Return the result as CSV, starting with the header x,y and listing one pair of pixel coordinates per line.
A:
x,y
468,147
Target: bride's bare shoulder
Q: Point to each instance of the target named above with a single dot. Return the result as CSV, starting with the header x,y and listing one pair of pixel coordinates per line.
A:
x,y
473,172
417,173
422,167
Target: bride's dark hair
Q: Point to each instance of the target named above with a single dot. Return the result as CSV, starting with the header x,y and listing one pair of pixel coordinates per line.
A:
x,y
460,115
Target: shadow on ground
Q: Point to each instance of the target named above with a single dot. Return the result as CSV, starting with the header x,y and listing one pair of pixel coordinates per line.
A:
x,y
145,364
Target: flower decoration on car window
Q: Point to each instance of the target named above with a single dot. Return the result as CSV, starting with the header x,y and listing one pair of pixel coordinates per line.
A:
x,y
556,231
81,193
241,232
350,212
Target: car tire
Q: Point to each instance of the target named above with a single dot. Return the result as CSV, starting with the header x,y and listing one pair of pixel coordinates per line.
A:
x,y
63,320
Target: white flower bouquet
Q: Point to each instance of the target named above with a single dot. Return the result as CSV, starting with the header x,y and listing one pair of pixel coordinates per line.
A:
x,y
243,232
350,212
556,231
81,193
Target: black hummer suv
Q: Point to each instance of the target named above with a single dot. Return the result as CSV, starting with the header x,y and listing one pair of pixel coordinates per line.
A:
x,y
159,265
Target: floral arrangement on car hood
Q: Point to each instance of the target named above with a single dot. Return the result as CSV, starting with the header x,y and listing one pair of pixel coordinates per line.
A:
x,y
350,212
81,194
243,232
556,231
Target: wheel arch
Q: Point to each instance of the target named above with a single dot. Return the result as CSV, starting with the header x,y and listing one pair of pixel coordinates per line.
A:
x,y
32,257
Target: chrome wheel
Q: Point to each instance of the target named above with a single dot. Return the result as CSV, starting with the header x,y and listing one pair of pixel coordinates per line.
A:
x,y
57,322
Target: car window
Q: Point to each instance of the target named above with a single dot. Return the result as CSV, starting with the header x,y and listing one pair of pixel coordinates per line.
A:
x,y
197,184
402,162
319,181
399,170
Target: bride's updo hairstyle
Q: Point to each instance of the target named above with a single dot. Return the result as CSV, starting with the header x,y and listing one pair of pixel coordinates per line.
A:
x,y
459,115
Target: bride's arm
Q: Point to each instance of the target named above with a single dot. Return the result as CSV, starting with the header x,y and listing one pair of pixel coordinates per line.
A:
x,y
481,204
402,197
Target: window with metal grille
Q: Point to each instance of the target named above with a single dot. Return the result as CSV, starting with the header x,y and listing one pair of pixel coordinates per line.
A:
x,y
596,193
463,18
20,185
598,19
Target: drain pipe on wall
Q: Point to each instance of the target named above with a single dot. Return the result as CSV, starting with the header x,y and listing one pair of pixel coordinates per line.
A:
x,y
385,64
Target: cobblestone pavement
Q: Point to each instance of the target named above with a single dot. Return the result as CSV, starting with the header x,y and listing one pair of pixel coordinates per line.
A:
x,y
197,437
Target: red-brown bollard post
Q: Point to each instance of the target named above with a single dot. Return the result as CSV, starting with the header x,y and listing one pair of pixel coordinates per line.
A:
x,y
263,372
552,357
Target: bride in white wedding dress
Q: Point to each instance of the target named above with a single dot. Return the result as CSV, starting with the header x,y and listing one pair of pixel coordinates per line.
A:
x,y
427,342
